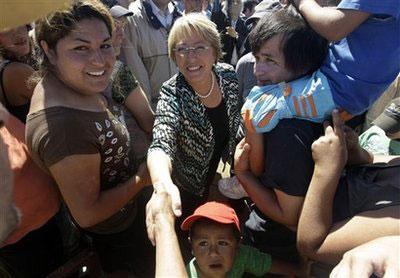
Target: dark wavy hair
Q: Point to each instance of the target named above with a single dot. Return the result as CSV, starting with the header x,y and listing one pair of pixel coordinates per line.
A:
x,y
304,50
60,24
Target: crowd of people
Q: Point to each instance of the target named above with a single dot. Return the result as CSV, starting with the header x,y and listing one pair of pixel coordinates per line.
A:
x,y
117,116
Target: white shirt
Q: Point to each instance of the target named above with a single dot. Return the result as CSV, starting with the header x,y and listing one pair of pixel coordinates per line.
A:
x,y
164,17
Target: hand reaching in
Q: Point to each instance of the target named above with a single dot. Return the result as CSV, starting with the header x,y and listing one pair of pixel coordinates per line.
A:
x,y
165,202
242,153
330,150
380,256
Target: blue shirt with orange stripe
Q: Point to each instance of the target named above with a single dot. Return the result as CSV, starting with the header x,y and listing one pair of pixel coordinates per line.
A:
x,y
308,98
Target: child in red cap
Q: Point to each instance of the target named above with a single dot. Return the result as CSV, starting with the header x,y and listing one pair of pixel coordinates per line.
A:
x,y
214,234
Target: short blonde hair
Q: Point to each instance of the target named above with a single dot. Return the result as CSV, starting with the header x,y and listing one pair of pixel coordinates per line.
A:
x,y
194,23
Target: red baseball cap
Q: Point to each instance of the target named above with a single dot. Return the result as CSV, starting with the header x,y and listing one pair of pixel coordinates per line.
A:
x,y
217,212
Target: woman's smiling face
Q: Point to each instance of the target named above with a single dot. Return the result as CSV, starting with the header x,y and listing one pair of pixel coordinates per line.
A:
x,y
195,65
84,59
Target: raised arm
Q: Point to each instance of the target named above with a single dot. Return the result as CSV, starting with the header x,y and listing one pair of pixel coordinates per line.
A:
x,y
318,237
78,178
330,156
163,149
333,24
169,262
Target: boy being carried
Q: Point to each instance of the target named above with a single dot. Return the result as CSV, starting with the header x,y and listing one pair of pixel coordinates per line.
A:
x,y
351,77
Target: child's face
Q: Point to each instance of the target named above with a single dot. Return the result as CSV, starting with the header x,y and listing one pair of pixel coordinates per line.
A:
x,y
214,246
269,67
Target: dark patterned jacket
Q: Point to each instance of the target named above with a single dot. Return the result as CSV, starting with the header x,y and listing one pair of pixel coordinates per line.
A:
x,y
183,131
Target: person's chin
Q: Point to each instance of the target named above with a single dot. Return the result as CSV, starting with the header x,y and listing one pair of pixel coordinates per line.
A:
x,y
195,75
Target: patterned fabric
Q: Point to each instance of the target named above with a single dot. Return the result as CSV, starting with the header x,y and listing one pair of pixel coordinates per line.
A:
x,y
307,98
58,132
183,131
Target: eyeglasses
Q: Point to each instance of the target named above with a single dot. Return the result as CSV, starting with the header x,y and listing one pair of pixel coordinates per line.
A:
x,y
197,50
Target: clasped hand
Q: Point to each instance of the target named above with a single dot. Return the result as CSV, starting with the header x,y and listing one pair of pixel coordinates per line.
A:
x,y
165,202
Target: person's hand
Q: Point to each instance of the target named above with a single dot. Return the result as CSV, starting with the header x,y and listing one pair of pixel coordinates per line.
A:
x,y
351,139
380,256
242,153
232,32
330,150
158,209
153,206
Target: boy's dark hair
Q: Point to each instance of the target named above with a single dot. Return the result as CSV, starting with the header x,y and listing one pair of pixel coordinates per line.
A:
x,y
304,50
236,233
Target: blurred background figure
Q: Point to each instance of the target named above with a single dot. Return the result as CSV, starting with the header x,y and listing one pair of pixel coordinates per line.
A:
x,y
145,47
15,92
383,137
231,26
249,7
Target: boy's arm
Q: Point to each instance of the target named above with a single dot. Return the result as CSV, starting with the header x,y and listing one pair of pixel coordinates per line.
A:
x,y
330,156
332,24
277,205
255,140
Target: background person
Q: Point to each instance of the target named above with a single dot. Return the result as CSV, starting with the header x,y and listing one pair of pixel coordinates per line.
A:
x,y
126,90
383,137
15,92
249,7
145,48
231,26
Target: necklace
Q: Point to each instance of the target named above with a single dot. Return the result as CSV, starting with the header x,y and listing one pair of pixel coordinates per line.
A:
x,y
210,91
